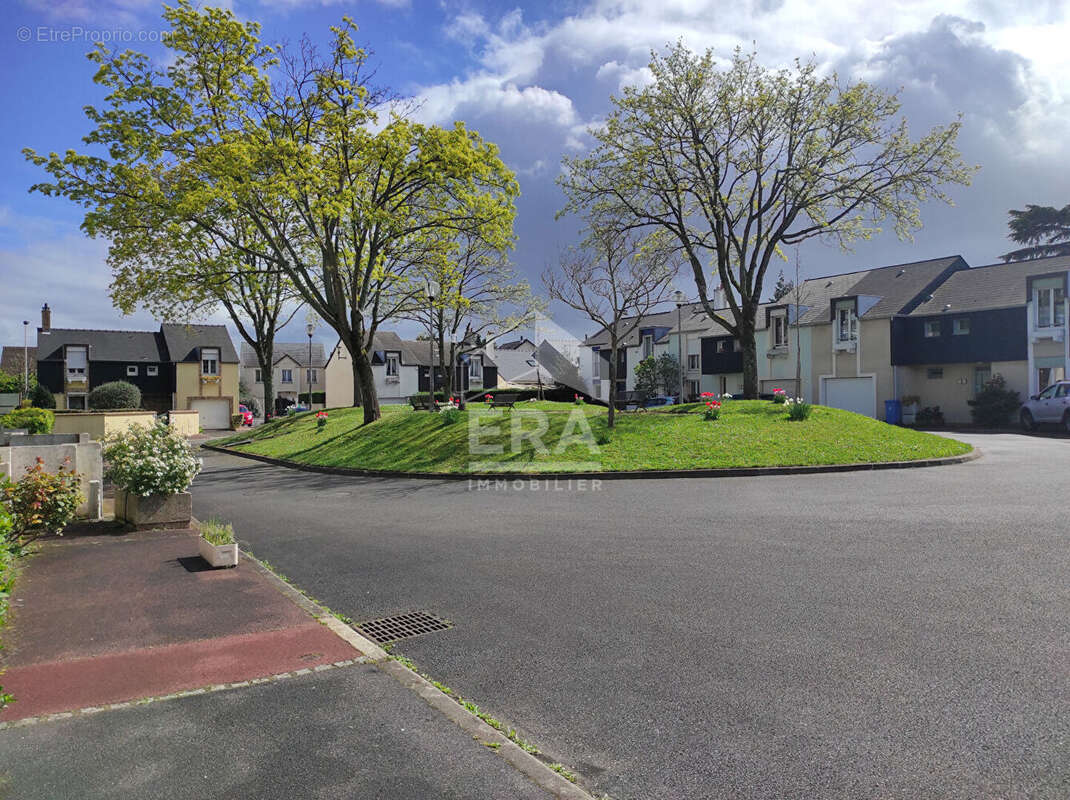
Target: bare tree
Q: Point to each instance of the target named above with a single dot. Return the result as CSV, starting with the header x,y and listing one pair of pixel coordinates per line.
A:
x,y
615,278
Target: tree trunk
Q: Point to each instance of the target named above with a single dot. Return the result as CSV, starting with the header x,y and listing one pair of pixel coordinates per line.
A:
x,y
445,365
267,380
612,382
364,386
750,358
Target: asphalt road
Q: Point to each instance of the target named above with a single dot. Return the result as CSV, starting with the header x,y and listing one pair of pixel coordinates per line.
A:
x,y
869,634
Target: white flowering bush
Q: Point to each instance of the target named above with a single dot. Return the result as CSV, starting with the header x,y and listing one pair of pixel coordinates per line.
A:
x,y
798,409
151,460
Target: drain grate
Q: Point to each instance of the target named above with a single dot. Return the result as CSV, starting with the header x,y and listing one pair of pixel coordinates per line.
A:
x,y
403,626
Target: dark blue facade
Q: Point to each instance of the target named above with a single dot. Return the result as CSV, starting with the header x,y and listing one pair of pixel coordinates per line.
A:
x,y
995,335
718,363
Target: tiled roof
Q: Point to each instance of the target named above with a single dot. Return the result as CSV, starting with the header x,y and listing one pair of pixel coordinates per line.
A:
x,y
992,286
183,341
298,351
11,359
129,346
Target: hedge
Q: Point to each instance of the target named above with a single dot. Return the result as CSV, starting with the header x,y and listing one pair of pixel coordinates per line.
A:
x,y
35,420
115,395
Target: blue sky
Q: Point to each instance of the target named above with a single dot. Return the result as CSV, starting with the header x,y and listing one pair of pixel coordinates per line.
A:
x,y
533,77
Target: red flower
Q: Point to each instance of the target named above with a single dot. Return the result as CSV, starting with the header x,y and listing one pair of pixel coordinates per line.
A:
x,y
707,394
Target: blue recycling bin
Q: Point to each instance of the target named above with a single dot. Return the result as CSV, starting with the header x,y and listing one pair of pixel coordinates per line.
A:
x,y
893,412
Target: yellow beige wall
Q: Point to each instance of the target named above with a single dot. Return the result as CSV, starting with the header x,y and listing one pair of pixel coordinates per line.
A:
x,y
873,356
955,389
185,423
339,379
99,424
188,384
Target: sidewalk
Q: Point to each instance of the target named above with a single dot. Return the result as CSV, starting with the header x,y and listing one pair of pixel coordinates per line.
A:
x,y
140,673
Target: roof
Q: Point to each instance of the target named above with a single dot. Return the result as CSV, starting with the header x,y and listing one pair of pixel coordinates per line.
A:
x,y
11,359
414,352
298,351
184,341
128,346
520,366
662,319
990,286
522,343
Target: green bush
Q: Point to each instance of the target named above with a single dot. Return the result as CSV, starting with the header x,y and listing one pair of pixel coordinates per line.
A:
x,y
150,460
42,502
317,397
41,397
995,404
35,420
798,410
115,395
450,416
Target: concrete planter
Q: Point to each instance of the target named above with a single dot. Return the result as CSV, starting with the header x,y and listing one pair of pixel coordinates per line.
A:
x,y
154,511
218,555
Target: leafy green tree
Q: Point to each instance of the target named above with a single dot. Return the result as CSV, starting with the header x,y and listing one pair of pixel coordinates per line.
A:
x,y
995,405
1044,230
737,163
646,377
288,143
669,373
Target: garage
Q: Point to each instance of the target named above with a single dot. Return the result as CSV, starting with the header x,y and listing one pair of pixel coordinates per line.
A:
x,y
214,412
851,394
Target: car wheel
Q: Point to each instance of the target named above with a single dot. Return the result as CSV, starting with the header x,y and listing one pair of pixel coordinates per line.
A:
x,y
1028,422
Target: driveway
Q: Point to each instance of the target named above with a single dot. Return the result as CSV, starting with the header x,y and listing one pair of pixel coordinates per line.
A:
x,y
881,634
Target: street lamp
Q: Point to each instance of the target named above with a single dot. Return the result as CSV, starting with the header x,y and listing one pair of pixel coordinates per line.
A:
x,y
431,286
310,328
680,299
25,358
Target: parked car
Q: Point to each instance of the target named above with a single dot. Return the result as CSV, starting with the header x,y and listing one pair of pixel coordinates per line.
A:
x,y
1050,407
246,415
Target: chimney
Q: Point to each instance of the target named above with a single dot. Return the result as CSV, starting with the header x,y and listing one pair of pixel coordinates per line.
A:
x,y
46,318
719,300
488,348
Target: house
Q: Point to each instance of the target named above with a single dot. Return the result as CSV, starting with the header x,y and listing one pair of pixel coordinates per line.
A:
x,y
542,368
401,368
292,372
176,367
523,345
1007,319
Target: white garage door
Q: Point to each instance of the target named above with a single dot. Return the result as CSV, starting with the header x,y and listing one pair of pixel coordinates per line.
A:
x,y
215,414
851,394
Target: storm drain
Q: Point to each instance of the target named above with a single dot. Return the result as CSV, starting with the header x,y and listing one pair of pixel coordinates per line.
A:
x,y
402,626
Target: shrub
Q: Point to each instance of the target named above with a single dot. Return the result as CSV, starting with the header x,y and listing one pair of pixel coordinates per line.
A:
x,y
713,410
603,437
217,532
150,460
577,399
236,421
930,415
114,395
798,409
41,397
780,397
450,416
321,420
995,404
42,502
35,420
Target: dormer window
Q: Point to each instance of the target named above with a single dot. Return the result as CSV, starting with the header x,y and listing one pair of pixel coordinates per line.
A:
x,y
1051,308
77,362
780,331
475,368
392,365
846,324
209,361
648,346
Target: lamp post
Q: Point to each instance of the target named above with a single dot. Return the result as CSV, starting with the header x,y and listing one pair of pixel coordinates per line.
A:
x,y
432,287
310,328
25,358
680,299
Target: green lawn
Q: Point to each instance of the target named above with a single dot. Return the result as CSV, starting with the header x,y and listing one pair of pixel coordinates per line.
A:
x,y
749,433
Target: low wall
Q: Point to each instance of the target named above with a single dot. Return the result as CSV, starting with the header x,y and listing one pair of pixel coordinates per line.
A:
x,y
83,455
99,424
185,422
9,401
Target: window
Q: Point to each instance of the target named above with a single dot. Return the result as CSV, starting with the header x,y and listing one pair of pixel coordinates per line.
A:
x,y
475,368
392,365
694,361
693,389
287,376
780,331
934,373
596,366
960,326
209,361
77,362
152,370
131,370
1046,376
981,376
1051,308
259,378
932,329
310,376
724,345
1062,390
1048,393
846,324
648,346
76,402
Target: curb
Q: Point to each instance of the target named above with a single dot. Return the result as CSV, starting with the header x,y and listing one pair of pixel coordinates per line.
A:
x,y
654,474
524,762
